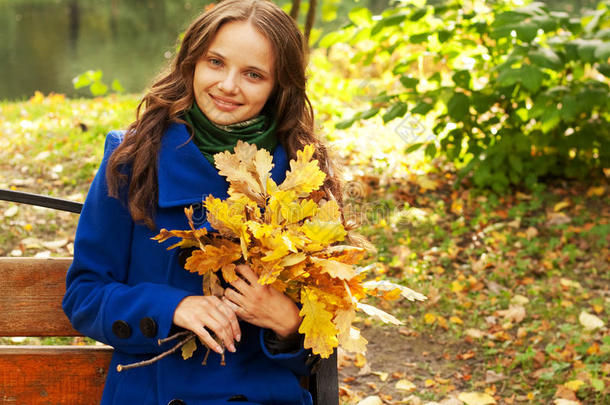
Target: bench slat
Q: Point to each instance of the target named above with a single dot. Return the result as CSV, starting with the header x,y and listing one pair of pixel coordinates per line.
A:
x,y
53,375
31,291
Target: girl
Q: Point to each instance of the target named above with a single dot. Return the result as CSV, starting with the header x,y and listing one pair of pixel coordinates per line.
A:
x,y
239,75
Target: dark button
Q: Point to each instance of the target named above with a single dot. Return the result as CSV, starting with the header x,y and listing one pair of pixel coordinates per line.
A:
x,y
238,398
148,326
176,402
121,329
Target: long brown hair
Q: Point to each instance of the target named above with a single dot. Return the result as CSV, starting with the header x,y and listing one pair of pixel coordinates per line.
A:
x,y
172,94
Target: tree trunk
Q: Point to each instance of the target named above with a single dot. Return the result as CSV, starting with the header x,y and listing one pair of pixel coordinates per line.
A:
x,y
294,11
311,16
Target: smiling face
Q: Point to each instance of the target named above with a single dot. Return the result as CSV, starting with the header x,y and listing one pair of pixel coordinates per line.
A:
x,y
235,77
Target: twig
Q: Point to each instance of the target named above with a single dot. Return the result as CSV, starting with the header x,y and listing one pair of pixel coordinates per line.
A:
x,y
172,337
120,367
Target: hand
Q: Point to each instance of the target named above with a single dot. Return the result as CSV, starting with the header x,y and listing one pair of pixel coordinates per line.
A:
x,y
197,312
262,305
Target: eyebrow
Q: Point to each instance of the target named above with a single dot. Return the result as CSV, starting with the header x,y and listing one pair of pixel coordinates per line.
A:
x,y
214,53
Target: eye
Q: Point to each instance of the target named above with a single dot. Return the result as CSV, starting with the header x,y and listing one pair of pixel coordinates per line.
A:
x,y
254,75
215,62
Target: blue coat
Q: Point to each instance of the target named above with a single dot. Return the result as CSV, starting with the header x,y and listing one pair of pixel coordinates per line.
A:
x,y
123,288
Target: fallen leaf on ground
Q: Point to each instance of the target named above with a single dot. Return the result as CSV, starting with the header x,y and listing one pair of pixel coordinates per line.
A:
x,y
514,313
476,398
372,400
589,321
493,377
561,401
595,191
574,385
405,385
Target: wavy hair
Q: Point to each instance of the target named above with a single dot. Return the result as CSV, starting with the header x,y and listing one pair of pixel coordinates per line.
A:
x,y
171,95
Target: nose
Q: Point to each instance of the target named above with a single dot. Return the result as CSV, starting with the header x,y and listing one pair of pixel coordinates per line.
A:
x,y
228,84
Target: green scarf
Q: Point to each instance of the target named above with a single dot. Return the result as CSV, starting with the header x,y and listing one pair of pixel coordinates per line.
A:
x,y
211,138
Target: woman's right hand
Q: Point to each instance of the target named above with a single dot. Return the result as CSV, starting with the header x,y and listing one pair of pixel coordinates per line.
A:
x,y
198,312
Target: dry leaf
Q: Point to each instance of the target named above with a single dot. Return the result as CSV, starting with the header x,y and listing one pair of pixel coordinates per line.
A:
x,y
562,401
514,313
320,333
589,321
596,191
405,385
378,313
372,400
476,398
574,385
189,348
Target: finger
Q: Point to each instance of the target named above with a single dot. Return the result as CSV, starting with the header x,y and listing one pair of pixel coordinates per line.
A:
x,y
221,326
234,297
248,273
229,309
208,340
240,286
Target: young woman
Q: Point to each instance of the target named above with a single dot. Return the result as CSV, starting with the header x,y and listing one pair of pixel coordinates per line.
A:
x,y
239,75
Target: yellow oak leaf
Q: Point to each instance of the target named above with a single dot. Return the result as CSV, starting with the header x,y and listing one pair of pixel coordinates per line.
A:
x,y
334,268
263,163
241,172
213,258
304,176
324,233
228,272
329,211
349,337
378,313
188,238
317,326
189,348
344,253
227,220
293,258
385,285
259,230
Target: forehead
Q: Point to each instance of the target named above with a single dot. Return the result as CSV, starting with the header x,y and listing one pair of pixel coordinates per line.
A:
x,y
240,42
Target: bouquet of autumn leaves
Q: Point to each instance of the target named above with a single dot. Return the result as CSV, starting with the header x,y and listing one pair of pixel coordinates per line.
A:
x,y
290,236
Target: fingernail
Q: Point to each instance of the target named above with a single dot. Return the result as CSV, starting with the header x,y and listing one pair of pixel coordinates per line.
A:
x,y
232,348
220,350
238,337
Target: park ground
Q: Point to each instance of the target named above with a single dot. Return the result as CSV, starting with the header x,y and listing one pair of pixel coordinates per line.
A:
x,y
518,285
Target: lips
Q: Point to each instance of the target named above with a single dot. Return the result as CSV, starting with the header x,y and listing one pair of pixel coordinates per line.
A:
x,y
224,103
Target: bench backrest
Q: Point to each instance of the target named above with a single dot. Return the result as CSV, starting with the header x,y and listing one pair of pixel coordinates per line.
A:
x,y
31,291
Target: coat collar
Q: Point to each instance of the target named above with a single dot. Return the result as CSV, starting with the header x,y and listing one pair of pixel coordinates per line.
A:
x,y
186,177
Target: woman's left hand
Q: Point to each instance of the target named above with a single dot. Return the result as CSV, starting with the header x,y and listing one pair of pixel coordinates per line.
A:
x,y
262,305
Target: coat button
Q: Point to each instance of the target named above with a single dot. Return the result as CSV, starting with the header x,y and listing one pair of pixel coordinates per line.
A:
x,y
176,402
148,327
121,329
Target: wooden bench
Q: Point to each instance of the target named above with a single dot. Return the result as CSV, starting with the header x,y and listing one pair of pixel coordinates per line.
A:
x,y
31,291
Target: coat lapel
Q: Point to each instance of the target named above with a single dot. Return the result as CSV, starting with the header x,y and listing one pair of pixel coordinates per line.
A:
x,y
186,177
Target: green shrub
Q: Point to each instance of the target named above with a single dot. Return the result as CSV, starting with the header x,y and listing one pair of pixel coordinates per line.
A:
x,y
515,94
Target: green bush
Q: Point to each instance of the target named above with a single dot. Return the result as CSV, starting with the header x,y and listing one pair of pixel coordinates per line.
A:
x,y
515,94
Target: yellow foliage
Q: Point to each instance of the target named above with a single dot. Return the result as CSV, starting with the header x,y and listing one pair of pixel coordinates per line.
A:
x,y
288,234
320,333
